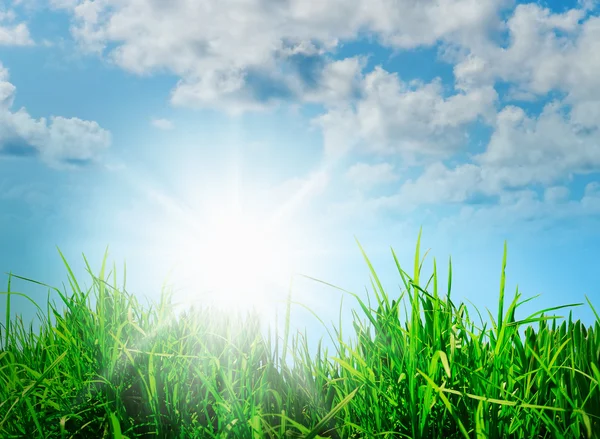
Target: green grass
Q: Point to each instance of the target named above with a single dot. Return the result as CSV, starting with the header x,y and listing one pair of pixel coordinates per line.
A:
x,y
416,366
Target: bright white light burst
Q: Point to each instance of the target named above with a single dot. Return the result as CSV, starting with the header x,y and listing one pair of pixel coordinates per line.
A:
x,y
237,261
220,253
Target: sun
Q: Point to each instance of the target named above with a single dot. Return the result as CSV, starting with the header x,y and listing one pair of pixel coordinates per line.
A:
x,y
232,242
237,260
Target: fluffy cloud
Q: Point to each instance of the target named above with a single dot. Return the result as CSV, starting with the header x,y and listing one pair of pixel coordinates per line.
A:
x,y
546,51
220,48
337,82
438,184
13,34
17,35
522,151
525,150
250,55
392,116
59,141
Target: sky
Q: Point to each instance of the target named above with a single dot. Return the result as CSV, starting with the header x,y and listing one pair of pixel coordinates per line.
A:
x,y
220,146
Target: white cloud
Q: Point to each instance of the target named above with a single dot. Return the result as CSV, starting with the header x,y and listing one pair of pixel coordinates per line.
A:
x,y
240,56
7,15
13,34
392,116
72,139
214,45
438,185
59,141
339,130
17,35
223,90
338,82
408,24
367,176
163,124
525,150
546,51
586,114
522,151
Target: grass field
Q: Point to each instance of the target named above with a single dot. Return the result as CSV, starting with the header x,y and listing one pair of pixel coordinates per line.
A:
x,y
417,366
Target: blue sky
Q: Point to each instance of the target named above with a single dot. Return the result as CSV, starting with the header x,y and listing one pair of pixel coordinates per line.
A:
x,y
173,131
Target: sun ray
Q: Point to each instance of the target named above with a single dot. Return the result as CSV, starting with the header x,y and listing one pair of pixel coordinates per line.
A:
x,y
228,254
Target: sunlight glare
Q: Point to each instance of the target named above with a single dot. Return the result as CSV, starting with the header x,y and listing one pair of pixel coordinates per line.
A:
x,y
239,261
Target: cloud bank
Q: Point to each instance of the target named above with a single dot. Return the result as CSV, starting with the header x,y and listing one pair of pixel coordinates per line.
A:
x,y
506,60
